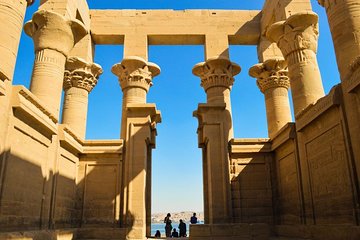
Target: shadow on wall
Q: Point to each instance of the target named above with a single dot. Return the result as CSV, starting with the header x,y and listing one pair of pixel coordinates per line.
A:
x,y
34,198
251,187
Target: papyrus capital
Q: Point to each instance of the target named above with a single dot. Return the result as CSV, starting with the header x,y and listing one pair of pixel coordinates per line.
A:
x,y
51,30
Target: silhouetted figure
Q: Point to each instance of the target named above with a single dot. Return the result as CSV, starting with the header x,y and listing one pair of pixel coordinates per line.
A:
x,y
175,234
182,228
193,219
168,226
157,234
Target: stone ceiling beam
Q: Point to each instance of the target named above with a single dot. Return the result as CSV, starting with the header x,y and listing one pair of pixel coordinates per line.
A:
x,y
169,27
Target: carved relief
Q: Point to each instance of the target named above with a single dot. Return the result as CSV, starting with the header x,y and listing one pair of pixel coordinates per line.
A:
x,y
329,177
295,35
135,72
80,74
216,72
272,73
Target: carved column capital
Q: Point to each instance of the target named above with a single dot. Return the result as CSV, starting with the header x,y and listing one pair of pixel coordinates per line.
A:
x,y
216,72
81,74
51,30
298,33
135,72
273,73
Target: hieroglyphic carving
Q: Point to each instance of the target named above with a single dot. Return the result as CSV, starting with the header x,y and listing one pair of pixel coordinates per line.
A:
x,y
330,177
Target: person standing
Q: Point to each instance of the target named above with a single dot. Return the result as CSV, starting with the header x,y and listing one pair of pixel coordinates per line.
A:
x,y
168,226
193,219
182,229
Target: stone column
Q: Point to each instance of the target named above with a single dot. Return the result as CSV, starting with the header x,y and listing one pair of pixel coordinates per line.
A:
x,y
79,80
217,78
138,131
54,36
344,21
214,133
297,38
273,82
135,78
12,14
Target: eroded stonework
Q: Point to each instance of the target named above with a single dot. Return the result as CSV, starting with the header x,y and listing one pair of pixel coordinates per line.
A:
x,y
301,182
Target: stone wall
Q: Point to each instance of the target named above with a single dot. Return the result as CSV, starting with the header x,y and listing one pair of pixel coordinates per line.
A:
x,y
52,179
251,186
316,190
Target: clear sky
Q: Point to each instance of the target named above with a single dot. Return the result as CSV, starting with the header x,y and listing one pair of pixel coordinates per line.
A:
x,y
177,170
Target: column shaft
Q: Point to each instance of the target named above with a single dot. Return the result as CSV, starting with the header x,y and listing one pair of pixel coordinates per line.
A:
x,y
47,78
297,39
54,36
344,21
12,14
138,131
306,83
277,109
215,130
273,81
75,110
79,80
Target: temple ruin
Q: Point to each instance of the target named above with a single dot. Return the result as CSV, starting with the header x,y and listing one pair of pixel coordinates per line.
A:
x,y
300,182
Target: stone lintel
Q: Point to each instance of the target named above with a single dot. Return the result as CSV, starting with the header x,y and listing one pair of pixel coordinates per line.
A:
x,y
172,27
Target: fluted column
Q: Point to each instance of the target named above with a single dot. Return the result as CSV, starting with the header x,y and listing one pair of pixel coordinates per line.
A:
x,y
273,82
12,14
138,129
214,132
344,21
79,79
54,36
297,38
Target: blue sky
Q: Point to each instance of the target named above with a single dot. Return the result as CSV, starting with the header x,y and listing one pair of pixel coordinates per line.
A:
x,y
177,170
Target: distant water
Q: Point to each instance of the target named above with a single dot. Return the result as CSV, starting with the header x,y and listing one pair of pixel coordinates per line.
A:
x,y
161,227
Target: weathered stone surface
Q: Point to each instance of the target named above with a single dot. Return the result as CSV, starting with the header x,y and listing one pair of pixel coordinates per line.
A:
x,y
301,183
